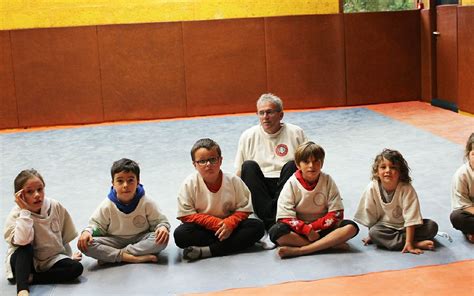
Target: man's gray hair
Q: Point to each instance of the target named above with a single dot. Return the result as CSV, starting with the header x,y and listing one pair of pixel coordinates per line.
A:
x,y
272,99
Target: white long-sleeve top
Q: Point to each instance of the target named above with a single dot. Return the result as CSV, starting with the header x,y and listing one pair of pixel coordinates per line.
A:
x,y
49,232
297,202
194,197
401,212
108,220
270,151
462,192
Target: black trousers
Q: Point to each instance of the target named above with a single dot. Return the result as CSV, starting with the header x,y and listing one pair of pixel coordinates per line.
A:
x,y
265,191
21,262
248,232
463,221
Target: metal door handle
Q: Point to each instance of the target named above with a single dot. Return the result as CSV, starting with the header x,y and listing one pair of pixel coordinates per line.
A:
x,y
436,33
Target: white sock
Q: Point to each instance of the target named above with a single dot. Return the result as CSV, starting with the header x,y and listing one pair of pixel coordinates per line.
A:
x,y
266,243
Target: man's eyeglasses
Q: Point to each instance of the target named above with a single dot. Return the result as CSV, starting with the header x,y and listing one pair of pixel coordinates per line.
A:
x,y
268,112
211,161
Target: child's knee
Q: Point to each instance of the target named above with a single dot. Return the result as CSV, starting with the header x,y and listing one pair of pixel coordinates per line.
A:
x,y
392,242
431,226
93,245
76,270
24,252
277,231
351,226
159,248
457,218
373,232
250,166
179,239
258,229
290,165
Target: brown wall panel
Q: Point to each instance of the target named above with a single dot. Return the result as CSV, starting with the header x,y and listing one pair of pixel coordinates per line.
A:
x,y
427,44
447,53
57,76
8,112
119,72
225,65
466,58
383,57
142,71
305,60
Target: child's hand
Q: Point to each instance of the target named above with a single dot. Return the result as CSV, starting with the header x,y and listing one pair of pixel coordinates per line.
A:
x,y
223,232
20,200
77,256
367,241
162,235
409,248
84,241
313,236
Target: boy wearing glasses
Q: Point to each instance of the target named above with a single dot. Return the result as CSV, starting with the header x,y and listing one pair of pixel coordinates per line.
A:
x,y
214,208
265,154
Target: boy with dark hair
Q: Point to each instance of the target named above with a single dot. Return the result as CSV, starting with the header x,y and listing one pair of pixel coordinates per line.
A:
x,y
127,226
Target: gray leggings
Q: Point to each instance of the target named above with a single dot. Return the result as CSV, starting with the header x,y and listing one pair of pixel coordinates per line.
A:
x,y
110,248
394,239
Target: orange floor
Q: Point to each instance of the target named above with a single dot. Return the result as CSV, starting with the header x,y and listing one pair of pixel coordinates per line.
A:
x,y
429,118
450,279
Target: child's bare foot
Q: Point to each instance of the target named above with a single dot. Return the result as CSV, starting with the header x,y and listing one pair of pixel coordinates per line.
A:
x,y
23,293
470,238
425,245
367,241
77,256
138,259
285,252
313,236
341,247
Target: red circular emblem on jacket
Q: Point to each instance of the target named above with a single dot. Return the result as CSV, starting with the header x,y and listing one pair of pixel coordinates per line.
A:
x,y
281,150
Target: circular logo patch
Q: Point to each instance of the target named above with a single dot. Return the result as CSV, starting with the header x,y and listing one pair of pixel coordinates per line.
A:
x,y
281,150
319,199
397,212
139,221
55,225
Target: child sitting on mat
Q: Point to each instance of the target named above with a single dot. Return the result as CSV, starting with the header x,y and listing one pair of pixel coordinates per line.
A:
x,y
38,231
462,194
128,226
214,208
390,208
310,211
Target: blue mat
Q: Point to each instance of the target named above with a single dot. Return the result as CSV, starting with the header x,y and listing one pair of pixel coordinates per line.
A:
x,y
75,164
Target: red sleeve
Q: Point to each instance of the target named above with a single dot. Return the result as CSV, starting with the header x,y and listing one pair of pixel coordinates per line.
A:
x,y
297,226
233,220
328,221
205,220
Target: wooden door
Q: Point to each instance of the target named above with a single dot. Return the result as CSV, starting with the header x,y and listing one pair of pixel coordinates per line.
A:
x,y
446,54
